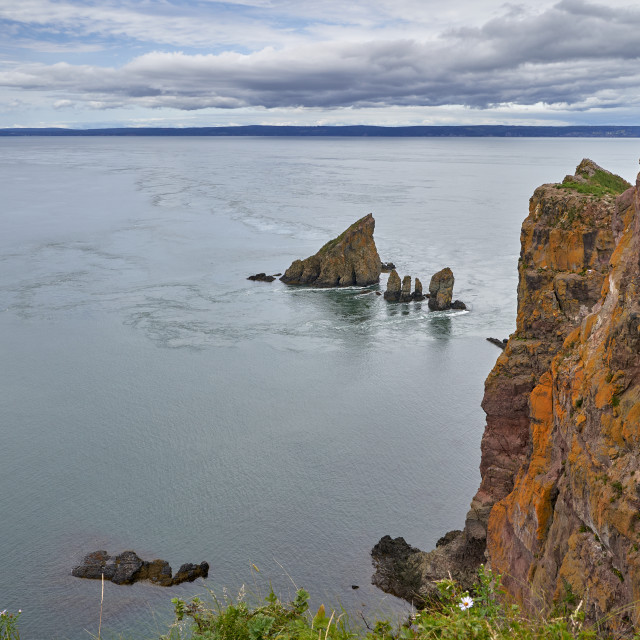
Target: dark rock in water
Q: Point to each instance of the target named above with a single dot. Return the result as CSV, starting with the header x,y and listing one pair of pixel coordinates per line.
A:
x,y
189,572
441,290
355,586
392,294
378,293
262,277
94,565
409,573
405,293
277,275
350,259
395,569
458,304
417,294
499,343
387,267
127,568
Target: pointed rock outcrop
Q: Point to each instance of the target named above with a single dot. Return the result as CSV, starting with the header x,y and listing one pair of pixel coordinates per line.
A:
x,y
348,260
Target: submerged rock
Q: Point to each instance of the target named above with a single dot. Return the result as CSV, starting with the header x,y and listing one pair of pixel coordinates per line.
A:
x,y
350,259
262,277
127,568
392,294
441,290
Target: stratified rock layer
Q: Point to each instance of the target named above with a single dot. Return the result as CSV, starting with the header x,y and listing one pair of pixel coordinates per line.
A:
x,y
558,502
350,259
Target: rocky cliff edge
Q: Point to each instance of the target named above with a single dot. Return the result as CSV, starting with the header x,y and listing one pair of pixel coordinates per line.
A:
x,y
558,508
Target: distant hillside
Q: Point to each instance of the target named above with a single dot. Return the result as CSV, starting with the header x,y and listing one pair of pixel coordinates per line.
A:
x,y
349,131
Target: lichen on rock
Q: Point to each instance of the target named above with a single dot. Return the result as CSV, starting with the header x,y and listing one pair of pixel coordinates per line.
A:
x,y
348,260
560,473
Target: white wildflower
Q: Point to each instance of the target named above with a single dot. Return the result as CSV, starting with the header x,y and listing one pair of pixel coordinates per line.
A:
x,y
466,603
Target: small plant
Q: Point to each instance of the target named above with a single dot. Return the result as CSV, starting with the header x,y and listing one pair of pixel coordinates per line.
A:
x,y
578,403
9,625
618,488
615,400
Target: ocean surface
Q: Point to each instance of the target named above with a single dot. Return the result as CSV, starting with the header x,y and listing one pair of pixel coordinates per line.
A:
x,y
152,398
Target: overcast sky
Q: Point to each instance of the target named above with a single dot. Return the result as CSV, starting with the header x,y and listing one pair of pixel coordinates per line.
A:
x,y
90,63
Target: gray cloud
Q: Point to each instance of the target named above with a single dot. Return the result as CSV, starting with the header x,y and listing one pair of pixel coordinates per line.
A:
x,y
578,54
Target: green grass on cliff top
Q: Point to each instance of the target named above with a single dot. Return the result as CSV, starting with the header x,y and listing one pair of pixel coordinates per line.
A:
x,y
601,183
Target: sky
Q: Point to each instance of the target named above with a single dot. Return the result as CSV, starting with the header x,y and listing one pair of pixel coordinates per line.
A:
x,y
184,63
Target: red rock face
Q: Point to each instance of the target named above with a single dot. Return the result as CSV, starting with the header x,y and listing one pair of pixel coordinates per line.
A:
x,y
558,508
571,522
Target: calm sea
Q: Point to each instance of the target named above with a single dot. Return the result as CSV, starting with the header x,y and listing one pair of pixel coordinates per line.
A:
x,y
154,399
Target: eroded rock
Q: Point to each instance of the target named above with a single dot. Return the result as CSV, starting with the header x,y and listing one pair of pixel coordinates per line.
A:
x,y
348,260
392,294
127,568
441,290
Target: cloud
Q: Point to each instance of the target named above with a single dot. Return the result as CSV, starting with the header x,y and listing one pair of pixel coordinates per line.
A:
x,y
576,54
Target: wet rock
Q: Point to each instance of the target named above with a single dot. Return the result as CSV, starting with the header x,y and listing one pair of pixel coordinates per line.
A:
x,y
441,290
387,267
458,304
499,343
405,292
127,568
350,259
392,294
417,294
189,572
262,277
396,572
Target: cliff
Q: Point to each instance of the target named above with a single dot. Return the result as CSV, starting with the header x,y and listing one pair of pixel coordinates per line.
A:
x,y
350,259
557,509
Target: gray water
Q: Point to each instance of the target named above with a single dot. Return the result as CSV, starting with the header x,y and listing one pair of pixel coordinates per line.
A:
x,y
154,399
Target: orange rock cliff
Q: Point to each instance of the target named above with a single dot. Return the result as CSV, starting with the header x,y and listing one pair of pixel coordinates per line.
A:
x,y
558,508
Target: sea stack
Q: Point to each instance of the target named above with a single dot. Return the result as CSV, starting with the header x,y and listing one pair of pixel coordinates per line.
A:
x,y
392,294
351,259
441,290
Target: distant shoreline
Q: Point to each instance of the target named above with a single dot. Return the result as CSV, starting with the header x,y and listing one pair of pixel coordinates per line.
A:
x,y
362,131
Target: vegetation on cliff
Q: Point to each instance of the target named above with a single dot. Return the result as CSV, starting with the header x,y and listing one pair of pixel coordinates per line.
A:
x,y
485,614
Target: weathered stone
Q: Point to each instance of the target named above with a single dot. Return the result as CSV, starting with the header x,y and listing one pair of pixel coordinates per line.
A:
x,y
350,259
392,294
405,293
262,277
127,568
387,267
499,343
441,290
417,294
459,305
190,572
